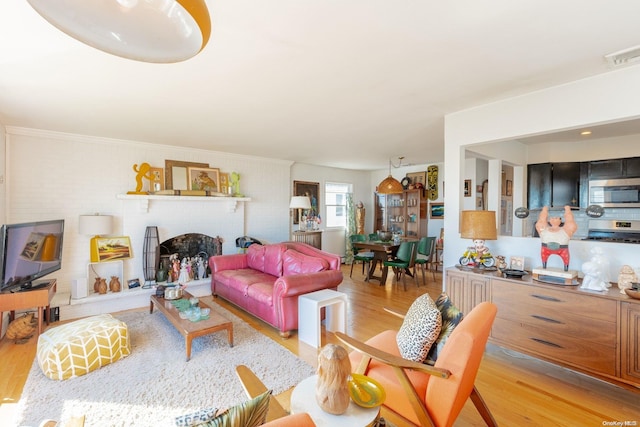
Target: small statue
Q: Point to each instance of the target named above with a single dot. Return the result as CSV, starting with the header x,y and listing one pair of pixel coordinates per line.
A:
x,y
555,236
234,180
22,329
360,213
183,276
477,255
626,277
114,284
332,388
596,272
96,285
501,262
144,171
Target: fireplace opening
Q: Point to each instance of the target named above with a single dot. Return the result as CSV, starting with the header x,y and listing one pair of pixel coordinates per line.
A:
x,y
192,248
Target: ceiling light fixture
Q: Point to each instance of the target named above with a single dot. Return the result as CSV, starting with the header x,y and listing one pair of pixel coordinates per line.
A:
x,y
158,31
623,57
585,133
390,185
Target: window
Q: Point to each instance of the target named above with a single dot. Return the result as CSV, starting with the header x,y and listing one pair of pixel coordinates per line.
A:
x,y
336,203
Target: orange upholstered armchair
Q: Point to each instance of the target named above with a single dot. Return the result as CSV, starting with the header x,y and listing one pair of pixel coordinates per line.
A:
x,y
424,394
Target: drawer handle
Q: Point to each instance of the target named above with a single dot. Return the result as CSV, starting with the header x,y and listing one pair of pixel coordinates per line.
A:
x,y
546,298
550,344
545,319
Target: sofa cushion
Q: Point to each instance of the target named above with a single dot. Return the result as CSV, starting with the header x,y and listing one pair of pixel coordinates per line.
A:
x,y
251,413
255,257
451,317
242,279
420,329
294,262
273,259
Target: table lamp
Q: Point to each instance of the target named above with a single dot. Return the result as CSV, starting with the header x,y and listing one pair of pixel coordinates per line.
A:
x,y
478,226
300,202
95,225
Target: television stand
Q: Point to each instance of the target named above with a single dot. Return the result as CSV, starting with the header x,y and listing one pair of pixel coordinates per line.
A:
x,y
36,296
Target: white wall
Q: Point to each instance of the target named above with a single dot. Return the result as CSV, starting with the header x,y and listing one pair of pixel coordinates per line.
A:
x,y
601,99
53,175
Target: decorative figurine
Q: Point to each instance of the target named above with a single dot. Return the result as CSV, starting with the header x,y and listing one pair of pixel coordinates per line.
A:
x,y
144,171
596,272
234,180
360,212
501,262
626,277
477,255
555,236
332,388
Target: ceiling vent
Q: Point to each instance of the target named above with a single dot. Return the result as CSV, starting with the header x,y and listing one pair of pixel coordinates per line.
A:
x,y
624,57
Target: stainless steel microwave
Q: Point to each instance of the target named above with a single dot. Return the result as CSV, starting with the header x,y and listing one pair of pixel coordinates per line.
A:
x,y
615,193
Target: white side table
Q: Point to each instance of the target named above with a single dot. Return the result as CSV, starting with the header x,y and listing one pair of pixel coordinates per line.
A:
x,y
303,399
309,307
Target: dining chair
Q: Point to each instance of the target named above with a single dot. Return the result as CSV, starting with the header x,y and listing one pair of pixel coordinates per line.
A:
x,y
373,236
364,257
426,248
424,394
404,261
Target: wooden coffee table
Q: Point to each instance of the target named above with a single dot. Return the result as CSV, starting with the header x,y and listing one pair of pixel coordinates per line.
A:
x,y
186,327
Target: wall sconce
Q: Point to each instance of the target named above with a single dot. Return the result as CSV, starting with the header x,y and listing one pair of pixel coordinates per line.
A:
x,y
95,225
300,202
478,226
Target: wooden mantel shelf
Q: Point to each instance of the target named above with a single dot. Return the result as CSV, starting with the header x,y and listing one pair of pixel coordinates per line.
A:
x,y
144,199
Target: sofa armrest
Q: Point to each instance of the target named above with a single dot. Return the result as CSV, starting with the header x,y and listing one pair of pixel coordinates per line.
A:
x,y
290,286
228,262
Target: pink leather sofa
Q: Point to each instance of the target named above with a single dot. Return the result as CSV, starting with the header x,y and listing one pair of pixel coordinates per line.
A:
x,y
267,279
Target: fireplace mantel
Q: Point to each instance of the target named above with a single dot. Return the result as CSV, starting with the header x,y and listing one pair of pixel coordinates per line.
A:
x,y
144,200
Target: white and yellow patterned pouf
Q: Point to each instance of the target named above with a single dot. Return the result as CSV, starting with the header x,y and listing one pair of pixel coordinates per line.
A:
x,y
80,347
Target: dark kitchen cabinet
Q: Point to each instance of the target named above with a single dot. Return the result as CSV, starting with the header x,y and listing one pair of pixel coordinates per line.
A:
x,y
615,168
553,184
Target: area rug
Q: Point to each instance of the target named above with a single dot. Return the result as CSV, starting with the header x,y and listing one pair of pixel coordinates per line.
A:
x,y
155,383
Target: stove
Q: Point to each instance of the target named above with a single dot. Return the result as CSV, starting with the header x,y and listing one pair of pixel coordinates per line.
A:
x,y
614,230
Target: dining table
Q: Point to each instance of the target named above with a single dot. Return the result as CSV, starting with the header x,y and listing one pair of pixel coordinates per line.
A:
x,y
382,251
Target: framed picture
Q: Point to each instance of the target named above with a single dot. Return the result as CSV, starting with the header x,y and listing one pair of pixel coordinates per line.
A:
x,y
133,283
224,182
207,179
32,246
309,189
157,182
436,210
516,263
418,177
176,176
112,248
509,187
467,188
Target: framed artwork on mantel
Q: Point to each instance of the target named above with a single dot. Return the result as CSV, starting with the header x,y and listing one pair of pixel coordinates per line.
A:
x,y
176,173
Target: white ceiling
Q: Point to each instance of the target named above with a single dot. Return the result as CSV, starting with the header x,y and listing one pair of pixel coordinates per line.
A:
x,y
348,83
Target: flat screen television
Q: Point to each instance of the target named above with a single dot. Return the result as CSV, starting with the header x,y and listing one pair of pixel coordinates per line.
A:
x,y
28,252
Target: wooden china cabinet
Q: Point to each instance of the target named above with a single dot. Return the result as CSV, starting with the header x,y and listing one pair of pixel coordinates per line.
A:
x,y
404,213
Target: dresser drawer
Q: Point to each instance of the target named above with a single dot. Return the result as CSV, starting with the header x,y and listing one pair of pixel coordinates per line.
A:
x,y
577,352
526,298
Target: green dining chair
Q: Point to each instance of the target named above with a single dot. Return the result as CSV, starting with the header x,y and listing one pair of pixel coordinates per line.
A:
x,y
404,261
364,257
426,248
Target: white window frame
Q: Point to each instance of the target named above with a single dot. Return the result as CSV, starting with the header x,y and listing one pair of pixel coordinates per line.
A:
x,y
328,186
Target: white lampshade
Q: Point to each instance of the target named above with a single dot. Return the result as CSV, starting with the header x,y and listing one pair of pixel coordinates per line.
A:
x,y
300,202
95,225
160,31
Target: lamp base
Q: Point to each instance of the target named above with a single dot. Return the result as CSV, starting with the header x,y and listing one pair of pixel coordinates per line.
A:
x,y
93,249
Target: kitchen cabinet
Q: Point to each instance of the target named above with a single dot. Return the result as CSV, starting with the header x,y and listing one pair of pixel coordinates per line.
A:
x,y
615,168
553,184
630,337
404,213
597,334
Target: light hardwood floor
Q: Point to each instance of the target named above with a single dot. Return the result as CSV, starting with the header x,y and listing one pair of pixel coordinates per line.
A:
x,y
520,391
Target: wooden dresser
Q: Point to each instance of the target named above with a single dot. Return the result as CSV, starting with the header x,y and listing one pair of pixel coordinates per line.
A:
x,y
590,332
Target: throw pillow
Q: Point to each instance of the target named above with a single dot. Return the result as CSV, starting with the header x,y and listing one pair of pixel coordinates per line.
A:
x,y
451,317
196,418
420,329
294,262
251,413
